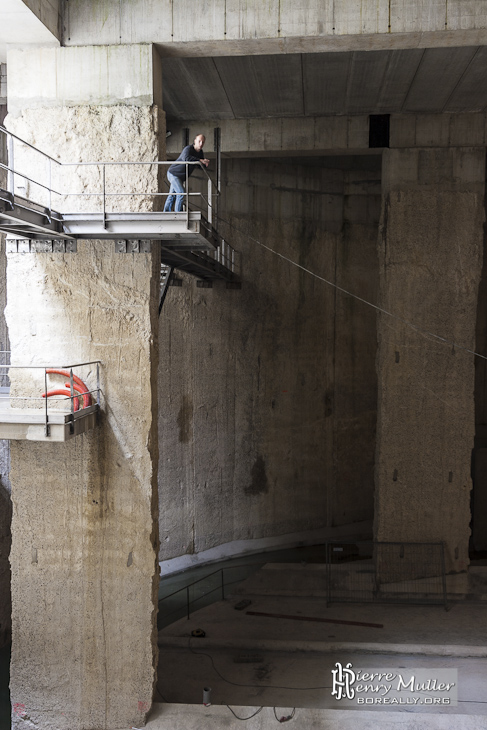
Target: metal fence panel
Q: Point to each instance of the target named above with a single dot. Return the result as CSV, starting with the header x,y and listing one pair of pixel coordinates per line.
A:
x,y
388,572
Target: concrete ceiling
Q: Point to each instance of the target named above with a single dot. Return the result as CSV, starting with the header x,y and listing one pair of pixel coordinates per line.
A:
x,y
429,80
20,26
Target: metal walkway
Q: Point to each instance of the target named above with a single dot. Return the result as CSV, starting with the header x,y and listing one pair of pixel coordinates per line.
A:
x,y
188,239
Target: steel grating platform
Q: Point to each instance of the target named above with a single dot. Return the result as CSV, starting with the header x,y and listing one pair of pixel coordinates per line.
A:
x,y
25,219
188,241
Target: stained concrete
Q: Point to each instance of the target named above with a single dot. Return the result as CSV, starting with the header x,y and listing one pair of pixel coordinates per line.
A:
x,y
84,548
180,717
479,462
236,27
334,134
105,76
5,540
430,249
267,394
5,488
85,543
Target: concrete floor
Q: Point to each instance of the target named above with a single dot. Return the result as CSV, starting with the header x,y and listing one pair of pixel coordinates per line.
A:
x,y
252,661
189,717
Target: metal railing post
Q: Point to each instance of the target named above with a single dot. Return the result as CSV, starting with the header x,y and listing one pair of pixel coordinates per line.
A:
x,y
218,153
98,383
50,187
71,390
11,174
187,197
46,424
210,208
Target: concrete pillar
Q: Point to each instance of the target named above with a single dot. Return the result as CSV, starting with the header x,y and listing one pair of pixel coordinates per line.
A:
x,y
85,540
430,253
5,501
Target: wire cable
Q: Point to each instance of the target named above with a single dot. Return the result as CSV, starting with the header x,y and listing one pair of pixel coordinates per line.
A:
x,y
416,328
284,718
245,718
259,686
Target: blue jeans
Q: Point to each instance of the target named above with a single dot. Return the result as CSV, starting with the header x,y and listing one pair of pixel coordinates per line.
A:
x,y
176,186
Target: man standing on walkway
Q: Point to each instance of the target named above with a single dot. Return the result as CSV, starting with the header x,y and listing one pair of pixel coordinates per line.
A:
x,y
177,173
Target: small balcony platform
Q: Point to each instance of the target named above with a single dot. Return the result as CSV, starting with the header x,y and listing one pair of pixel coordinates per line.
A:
x,y
29,424
189,240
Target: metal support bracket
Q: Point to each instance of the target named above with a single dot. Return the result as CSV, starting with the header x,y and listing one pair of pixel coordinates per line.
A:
x,y
28,245
133,246
165,285
203,284
8,199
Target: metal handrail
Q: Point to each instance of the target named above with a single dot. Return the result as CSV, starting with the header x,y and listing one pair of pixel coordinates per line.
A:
x,y
11,171
70,397
221,587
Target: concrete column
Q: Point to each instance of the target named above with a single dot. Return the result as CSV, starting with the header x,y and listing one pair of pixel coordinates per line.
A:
x,y
430,253
85,539
5,501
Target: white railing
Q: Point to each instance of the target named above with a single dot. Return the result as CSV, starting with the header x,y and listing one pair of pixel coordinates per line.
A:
x,y
27,380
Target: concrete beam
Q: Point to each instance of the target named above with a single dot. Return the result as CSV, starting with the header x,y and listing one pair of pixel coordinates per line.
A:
x,y
25,22
242,27
96,75
331,135
268,137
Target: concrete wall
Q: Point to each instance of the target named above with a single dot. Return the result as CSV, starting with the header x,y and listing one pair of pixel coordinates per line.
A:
x,y
268,394
275,26
430,263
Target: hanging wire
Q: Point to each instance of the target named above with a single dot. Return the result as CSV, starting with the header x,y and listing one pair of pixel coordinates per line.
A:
x,y
420,330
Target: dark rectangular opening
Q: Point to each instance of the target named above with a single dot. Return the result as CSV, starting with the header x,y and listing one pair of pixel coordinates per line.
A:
x,y
379,125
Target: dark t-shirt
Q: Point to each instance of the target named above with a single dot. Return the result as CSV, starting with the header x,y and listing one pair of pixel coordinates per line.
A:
x,y
189,154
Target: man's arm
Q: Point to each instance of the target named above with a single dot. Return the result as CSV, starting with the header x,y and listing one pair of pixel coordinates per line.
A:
x,y
186,156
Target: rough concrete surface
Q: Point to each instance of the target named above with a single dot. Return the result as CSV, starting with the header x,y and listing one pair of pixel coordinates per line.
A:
x,y
181,717
267,394
430,251
118,133
84,549
5,499
5,540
